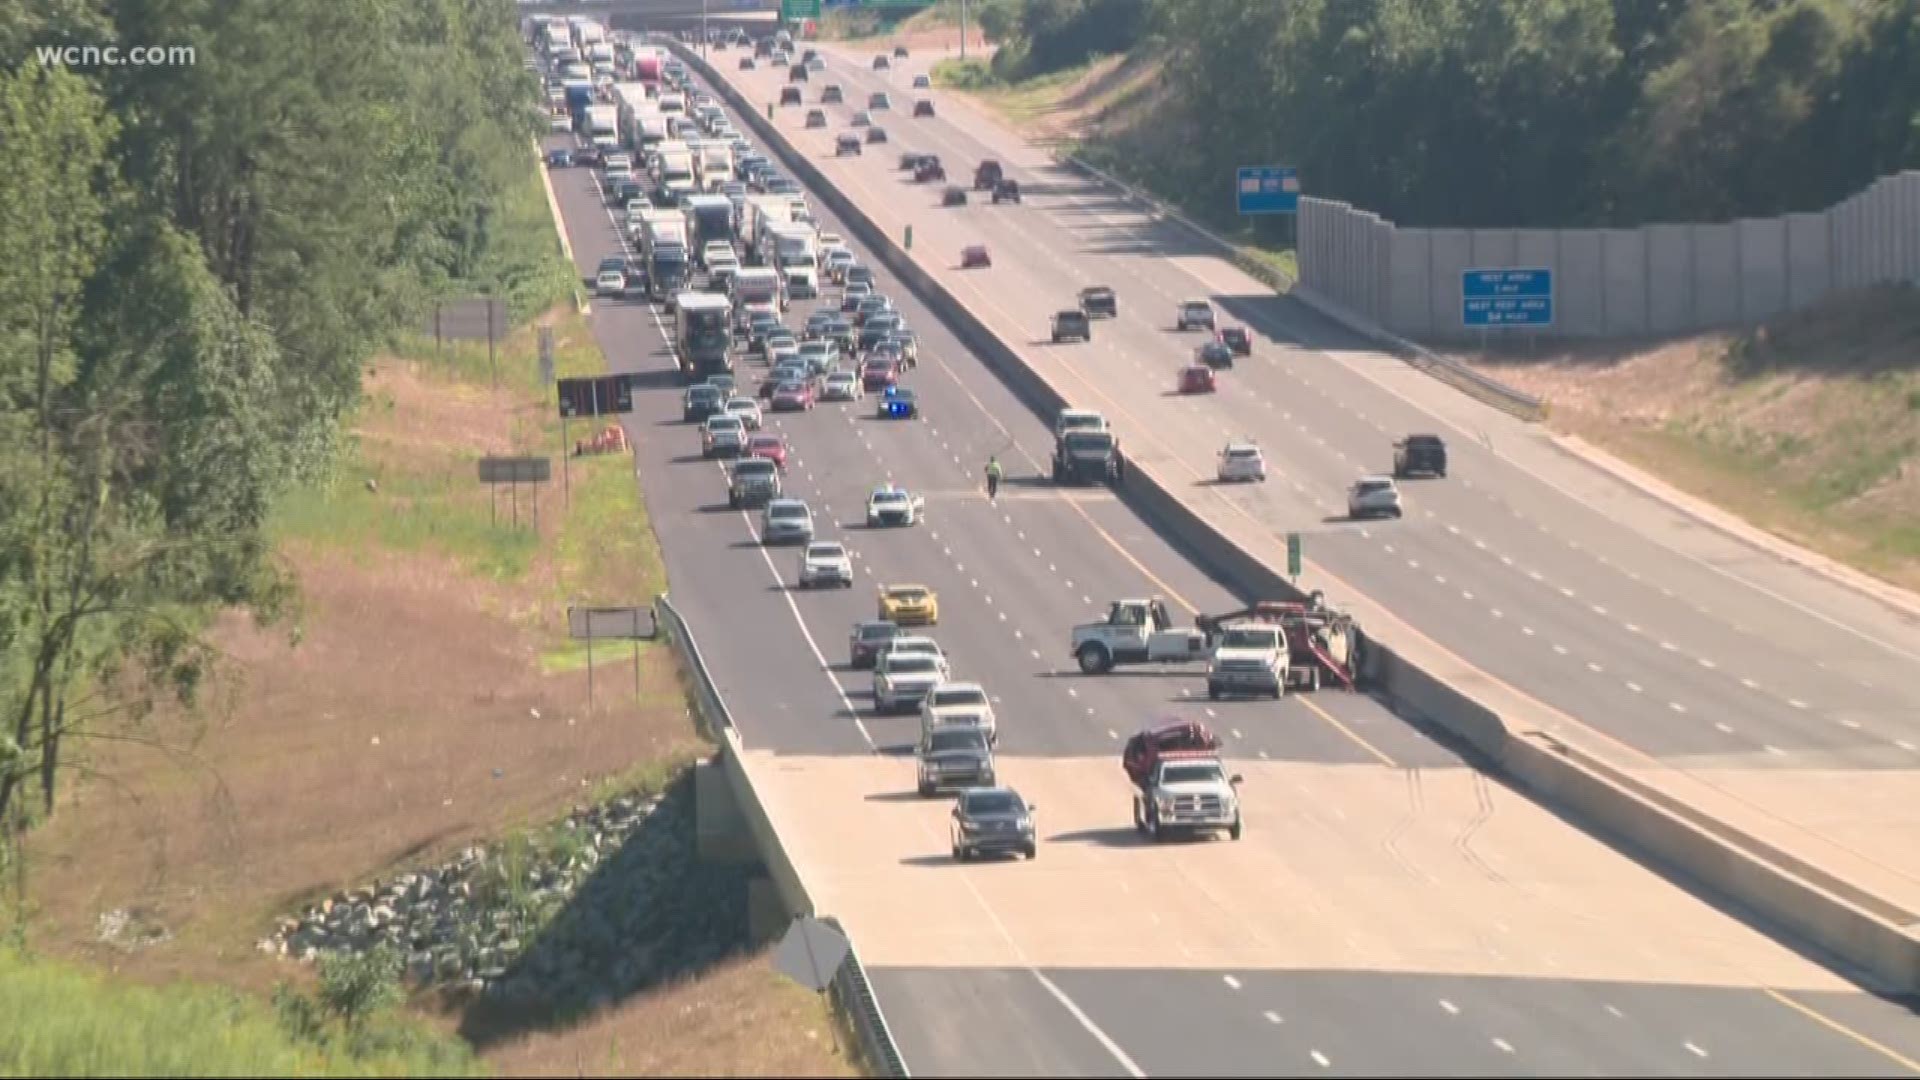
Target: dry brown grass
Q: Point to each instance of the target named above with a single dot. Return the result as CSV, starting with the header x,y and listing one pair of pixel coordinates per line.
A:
x,y
739,1019
420,709
1808,427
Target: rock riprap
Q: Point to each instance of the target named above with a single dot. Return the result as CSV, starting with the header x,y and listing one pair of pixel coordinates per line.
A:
x,y
610,899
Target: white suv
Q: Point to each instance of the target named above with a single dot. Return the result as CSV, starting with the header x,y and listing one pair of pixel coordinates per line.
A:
x,y
1241,461
959,703
1373,496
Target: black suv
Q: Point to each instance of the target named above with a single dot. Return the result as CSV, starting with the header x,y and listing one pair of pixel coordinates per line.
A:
x,y
1006,191
1419,454
1072,323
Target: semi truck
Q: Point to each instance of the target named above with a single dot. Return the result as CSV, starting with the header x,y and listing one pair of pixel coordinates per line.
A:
x,y
715,164
675,172
603,125
709,218
703,341
794,245
758,289
579,100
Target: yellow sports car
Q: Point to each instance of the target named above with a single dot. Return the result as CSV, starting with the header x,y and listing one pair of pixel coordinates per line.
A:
x,y
909,605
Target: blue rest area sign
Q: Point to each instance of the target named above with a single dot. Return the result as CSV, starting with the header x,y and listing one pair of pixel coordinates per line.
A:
x,y
1267,189
1509,297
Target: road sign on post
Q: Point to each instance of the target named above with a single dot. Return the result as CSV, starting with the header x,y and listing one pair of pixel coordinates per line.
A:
x,y
1267,189
1293,555
796,10
590,624
596,396
514,471
1506,297
811,954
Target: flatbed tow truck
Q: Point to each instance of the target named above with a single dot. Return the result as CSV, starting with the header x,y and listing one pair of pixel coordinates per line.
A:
x,y
1319,642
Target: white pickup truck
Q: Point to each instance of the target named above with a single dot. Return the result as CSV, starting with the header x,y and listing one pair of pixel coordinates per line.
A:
x,y
1136,632
1188,791
1249,658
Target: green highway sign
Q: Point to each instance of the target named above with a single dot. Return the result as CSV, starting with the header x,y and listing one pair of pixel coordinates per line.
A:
x,y
796,10
1293,555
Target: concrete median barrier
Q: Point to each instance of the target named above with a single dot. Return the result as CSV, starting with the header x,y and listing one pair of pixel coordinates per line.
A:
x,y
1418,677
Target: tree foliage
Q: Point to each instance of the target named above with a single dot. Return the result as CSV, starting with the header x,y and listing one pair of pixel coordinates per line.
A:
x,y
195,262
1519,112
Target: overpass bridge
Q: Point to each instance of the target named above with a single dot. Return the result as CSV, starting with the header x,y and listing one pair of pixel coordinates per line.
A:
x,y
660,14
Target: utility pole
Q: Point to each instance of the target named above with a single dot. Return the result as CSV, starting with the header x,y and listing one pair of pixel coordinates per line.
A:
x,y
703,29
963,31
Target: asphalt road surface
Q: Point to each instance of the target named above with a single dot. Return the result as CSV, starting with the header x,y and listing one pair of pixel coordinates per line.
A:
x,y
1699,648
1013,576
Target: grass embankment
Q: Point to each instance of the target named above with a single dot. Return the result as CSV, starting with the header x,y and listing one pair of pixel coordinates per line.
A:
x,y
867,22
427,699
59,1020
1103,113
1808,427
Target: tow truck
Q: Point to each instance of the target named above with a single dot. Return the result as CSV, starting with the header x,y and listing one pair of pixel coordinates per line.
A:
x,y
1313,644
1322,643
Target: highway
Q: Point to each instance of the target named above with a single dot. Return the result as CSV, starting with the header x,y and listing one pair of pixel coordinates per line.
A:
x,y
1391,910
1677,641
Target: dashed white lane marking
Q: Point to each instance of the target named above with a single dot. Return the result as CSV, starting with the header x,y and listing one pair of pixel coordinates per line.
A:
x,y
1634,686
1676,706
1321,1059
1527,630
1230,981
1035,652
1725,728
1561,649
1905,745
1452,1009
1071,692
1632,628
1796,703
1705,662
1615,1013
1846,723
1595,668
1598,610
1466,595
1669,646
1749,684
1273,1017
1695,1051
1772,749
1505,1046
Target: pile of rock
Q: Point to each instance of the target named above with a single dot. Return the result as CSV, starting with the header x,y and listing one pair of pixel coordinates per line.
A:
x,y
467,923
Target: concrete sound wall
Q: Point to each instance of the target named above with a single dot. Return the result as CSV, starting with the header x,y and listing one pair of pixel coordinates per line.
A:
x,y
1615,283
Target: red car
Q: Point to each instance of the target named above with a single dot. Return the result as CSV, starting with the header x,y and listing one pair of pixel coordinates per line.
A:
x,y
1196,379
794,394
771,447
879,373
975,255
1237,339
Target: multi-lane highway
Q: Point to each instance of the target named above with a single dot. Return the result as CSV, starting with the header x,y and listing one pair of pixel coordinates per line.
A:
x,y
1391,910
1615,609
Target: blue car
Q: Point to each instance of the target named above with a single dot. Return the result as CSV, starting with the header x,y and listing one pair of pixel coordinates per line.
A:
x,y
559,159
898,403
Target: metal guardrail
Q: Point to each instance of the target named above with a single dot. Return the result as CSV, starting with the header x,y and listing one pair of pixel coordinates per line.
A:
x,y
1445,368
851,993
714,715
